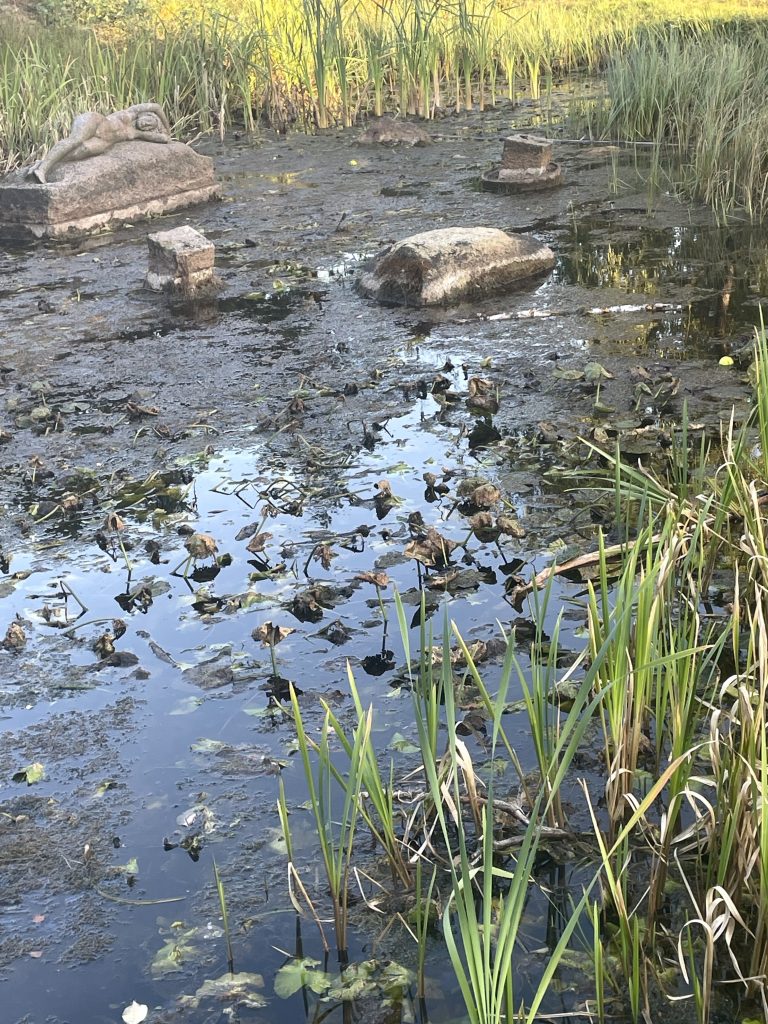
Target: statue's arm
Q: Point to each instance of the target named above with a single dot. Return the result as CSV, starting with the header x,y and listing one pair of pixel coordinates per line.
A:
x,y
151,108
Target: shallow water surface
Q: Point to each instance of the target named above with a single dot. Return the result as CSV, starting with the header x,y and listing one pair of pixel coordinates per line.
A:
x,y
291,407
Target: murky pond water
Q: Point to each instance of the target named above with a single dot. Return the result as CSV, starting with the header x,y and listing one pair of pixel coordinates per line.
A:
x,y
314,437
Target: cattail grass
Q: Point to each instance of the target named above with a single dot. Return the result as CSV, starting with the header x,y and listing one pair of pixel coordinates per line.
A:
x,y
318,63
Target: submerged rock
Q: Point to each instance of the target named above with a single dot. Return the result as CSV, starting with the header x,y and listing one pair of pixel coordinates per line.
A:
x,y
451,264
386,131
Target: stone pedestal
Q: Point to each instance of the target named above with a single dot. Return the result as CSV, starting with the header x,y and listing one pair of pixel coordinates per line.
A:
x,y
181,261
526,166
131,182
525,155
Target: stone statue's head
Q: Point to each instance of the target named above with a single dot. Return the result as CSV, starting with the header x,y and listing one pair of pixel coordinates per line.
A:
x,y
149,122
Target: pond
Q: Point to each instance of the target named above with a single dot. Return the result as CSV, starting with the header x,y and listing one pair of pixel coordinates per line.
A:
x,y
314,438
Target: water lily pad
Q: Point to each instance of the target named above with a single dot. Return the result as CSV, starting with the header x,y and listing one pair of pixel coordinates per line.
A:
x,y
33,773
234,989
300,974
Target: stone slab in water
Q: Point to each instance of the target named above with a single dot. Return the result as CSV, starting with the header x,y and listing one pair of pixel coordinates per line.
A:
x,y
130,182
449,265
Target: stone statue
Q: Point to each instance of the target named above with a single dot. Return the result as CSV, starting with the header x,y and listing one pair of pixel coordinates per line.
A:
x,y
93,134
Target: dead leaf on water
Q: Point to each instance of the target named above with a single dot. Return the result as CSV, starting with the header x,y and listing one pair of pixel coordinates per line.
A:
x,y
485,496
15,637
201,545
378,579
430,548
271,635
509,526
324,553
257,543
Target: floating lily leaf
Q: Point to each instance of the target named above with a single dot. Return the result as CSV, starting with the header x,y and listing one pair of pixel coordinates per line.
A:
x,y
105,787
378,664
257,543
455,579
601,409
510,526
300,974
594,371
184,947
336,633
33,773
562,373
186,706
207,746
210,675
403,745
234,989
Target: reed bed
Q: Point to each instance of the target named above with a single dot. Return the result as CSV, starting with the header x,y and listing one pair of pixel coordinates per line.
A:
x,y
310,63
671,828
699,97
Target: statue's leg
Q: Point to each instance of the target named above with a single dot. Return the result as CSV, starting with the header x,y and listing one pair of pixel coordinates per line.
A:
x,y
77,146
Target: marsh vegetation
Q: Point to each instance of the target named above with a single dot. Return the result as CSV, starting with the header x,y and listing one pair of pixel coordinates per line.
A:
x,y
571,820
689,80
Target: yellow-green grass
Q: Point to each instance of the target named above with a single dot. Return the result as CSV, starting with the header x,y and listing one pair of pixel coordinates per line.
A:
x,y
305,62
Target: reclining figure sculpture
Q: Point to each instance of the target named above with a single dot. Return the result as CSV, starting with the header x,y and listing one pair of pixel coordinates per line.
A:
x,y
93,134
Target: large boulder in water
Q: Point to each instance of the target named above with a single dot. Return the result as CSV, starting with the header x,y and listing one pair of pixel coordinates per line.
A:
x,y
441,267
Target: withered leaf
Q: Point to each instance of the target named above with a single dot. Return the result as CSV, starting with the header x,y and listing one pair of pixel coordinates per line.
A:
x,y
258,542
271,635
430,548
15,637
105,645
379,579
201,545
483,526
485,495
136,411
324,553
509,526
486,404
113,522
479,386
